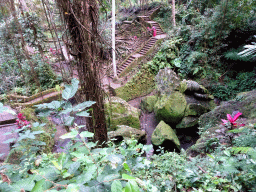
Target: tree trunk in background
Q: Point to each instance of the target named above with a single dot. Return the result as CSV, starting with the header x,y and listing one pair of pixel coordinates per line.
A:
x,y
173,13
23,43
81,17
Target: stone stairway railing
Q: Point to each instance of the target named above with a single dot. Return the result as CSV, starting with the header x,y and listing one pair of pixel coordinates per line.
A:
x,y
42,97
140,53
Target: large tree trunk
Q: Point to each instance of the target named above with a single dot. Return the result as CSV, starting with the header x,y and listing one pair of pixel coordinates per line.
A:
x,y
81,17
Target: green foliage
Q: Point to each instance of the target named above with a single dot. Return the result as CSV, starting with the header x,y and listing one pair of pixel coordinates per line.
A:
x,y
243,82
83,168
124,168
165,57
64,107
246,139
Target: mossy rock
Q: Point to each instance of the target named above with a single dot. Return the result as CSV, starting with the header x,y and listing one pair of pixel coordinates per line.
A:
x,y
148,103
171,108
119,112
126,132
195,109
162,133
244,102
187,122
198,105
141,84
166,81
191,86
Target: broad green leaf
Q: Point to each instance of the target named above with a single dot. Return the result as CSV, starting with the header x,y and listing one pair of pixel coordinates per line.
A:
x,y
70,90
68,121
73,188
55,163
86,134
126,167
70,135
116,186
115,158
9,140
83,114
54,105
7,133
73,167
127,177
39,186
135,187
111,177
82,106
87,175
26,184
128,187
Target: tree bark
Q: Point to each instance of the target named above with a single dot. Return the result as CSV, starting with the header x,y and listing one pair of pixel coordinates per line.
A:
x,y
81,17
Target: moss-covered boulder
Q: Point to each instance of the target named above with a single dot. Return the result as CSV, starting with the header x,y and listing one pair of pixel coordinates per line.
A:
x,y
126,132
171,108
198,105
192,87
148,103
187,122
166,81
164,132
195,109
119,112
244,102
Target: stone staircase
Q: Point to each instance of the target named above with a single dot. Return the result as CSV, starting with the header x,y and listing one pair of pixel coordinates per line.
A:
x,y
147,46
142,51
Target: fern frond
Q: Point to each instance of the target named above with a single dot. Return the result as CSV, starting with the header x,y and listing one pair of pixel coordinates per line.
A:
x,y
243,150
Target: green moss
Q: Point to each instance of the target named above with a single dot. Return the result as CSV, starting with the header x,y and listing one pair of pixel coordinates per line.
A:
x,y
148,103
117,108
29,114
121,113
164,132
47,136
194,109
128,120
171,109
183,86
141,84
187,122
127,132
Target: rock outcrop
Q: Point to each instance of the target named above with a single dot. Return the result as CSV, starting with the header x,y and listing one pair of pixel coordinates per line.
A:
x,y
171,108
167,81
211,125
119,112
162,133
126,132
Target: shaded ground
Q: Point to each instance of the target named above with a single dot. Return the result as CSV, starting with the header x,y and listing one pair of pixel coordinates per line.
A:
x,y
148,121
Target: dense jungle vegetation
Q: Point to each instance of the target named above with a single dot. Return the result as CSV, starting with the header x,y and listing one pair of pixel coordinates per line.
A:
x,y
213,42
